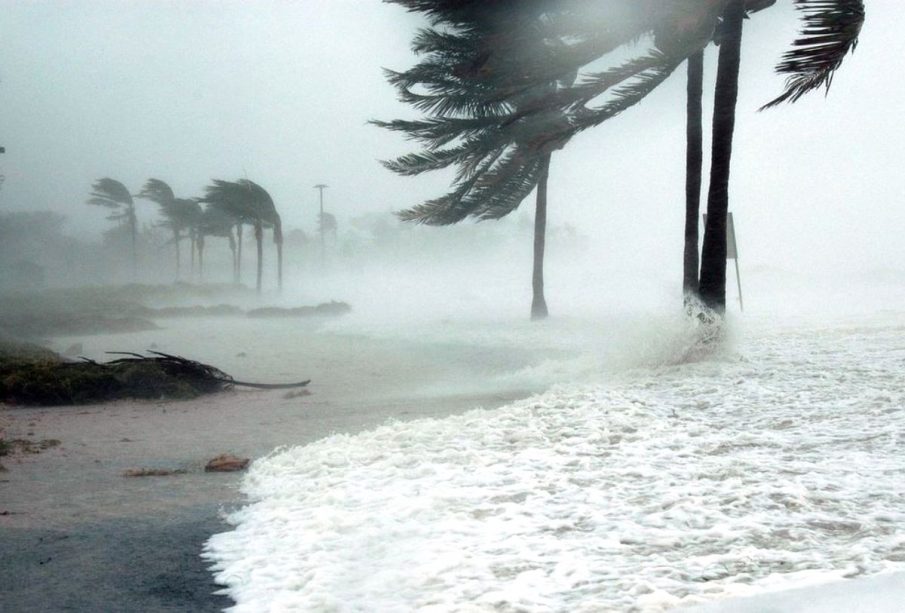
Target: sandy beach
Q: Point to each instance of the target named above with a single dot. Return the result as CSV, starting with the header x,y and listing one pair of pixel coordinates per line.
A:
x,y
76,535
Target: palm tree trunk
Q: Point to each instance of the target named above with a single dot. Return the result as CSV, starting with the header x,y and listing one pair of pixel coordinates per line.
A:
x,y
538,303
713,254
259,240
694,158
239,254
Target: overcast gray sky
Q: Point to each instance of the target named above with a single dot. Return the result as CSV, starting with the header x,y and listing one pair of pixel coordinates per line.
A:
x,y
282,91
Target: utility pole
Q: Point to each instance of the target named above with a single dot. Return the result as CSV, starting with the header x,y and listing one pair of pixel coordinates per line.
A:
x,y
321,187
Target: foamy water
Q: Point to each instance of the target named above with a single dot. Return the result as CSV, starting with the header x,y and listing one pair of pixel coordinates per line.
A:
x,y
772,465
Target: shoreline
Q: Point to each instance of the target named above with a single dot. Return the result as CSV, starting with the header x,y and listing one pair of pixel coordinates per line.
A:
x,y
77,535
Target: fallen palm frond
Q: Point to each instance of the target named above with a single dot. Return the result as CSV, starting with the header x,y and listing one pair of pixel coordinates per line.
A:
x,y
159,375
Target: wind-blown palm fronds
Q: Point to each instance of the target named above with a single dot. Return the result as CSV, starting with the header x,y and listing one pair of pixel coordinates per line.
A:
x,y
830,32
179,214
249,203
112,194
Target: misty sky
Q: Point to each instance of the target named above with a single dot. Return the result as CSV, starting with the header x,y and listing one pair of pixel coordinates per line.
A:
x,y
281,92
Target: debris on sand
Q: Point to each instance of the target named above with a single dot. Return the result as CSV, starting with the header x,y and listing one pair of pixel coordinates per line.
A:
x,y
21,446
225,463
152,472
49,380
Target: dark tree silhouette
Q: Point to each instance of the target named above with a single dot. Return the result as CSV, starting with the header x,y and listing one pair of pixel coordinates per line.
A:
x,y
498,146
485,84
180,216
112,194
249,203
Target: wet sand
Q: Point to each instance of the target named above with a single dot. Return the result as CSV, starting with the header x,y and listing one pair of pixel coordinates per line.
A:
x,y
75,535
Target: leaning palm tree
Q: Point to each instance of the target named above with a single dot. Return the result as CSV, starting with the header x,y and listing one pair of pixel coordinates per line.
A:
x,y
476,89
249,203
500,81
162,194
112,194
500,149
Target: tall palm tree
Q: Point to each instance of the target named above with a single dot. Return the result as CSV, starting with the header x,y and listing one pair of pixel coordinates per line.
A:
x,y
830,32
112,194
499,148
474,87
249,203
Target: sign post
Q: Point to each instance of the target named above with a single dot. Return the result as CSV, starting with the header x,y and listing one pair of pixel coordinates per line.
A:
x,y
732,254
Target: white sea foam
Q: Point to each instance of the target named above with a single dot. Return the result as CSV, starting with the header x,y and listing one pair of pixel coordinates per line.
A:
x,y
776,465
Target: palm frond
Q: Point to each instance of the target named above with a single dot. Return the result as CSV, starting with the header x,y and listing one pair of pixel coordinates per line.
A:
x,y
829,33
107,202
242,199
628,94
157,191
110,193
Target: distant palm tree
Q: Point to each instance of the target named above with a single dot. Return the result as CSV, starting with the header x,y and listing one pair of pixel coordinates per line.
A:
x,y
112,194
159,192
249,203
180,215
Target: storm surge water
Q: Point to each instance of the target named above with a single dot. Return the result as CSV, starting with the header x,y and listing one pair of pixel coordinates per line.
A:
x,y
649,474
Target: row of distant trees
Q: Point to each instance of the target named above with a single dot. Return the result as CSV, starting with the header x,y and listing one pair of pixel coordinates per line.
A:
x,y
223,211
502,88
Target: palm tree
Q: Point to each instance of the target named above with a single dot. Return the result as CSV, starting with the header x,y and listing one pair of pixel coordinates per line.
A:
x,y
478,77
162,194
503,94
112,194
830,31
249,203
500,149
